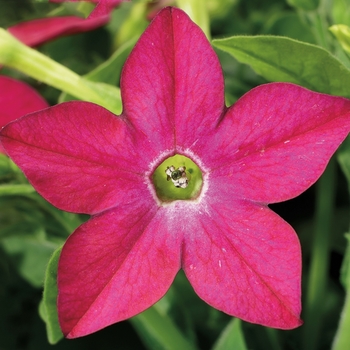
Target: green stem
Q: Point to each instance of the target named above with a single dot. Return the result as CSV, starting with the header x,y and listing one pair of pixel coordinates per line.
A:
x,y
317,20
159,332
342,337
16,55
15,189
318,275
273,338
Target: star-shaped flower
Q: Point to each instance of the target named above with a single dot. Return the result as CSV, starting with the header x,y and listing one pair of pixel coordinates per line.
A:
x,y
239,256
17,99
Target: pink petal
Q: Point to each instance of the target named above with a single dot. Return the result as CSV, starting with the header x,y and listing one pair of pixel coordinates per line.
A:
x,y
115,266
243,259
77,155
17,99
103,7
275,142
172,83
61,1
39,31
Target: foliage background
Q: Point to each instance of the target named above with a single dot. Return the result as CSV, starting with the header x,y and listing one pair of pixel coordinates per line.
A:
x,y
30,229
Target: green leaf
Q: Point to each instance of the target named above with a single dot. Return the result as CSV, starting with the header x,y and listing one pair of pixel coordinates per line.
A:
x,y
158,331
341,11
48,307
306,5
109,71
4,162
219,9
289,24
131,21
30,254
342,33
284,59
231,337
8,169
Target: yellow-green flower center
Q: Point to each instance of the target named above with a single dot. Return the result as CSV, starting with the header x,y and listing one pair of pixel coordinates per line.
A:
x,y
177,178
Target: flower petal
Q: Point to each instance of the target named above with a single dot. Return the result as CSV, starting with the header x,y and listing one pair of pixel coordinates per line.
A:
x,y
172,85
115,266
17,99
275,142
246,261
38,31
103,7
79,156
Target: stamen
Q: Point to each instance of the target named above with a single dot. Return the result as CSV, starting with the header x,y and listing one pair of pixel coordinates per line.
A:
x,y
177,176
180,172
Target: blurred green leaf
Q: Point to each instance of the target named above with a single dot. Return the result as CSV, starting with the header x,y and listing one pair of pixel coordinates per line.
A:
x,y
8,170
342,33
109,71
341,11
232,337
172,304
191,312
306,5
134,22
4,161
218,9
284,59
289,24
30,253
158,331
48,306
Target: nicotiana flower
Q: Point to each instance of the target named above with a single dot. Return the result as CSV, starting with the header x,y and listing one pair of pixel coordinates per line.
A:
x,y
38,31
179,181
17,99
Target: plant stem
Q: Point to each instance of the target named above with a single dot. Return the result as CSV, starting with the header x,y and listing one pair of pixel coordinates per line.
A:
x,y
318,274
16,55
159,332
273,338
342,337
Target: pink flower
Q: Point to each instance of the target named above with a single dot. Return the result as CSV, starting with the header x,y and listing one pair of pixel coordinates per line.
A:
x,y
39,31
17,99
239,256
